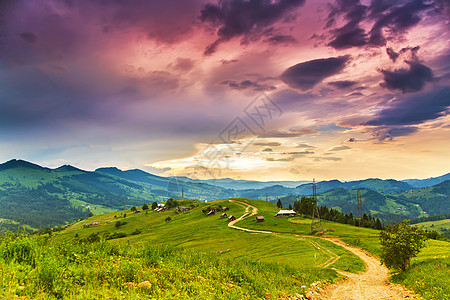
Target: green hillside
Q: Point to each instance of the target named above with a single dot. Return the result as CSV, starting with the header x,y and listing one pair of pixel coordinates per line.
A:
x,y
191,255
39,197
441,226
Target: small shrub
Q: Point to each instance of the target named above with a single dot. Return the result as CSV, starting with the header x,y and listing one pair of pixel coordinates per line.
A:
x,y
136,232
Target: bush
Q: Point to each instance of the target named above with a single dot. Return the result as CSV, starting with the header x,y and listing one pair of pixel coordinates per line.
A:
x,y
399,243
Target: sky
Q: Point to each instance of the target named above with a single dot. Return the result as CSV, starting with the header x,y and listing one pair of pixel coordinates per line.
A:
x,y
245,89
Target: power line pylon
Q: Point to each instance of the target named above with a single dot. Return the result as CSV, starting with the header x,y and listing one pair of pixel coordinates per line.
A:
x,y
315,210
359,198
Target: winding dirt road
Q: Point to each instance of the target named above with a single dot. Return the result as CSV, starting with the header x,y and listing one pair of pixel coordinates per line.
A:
x,y
372,284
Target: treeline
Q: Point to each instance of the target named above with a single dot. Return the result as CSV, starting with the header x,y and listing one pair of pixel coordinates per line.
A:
x,y
306,204
431,218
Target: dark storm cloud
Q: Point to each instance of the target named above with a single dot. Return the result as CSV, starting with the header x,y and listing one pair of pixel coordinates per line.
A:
x,y
395,16
412,80
414,109
248,84
343,84
241,18
394,55
306,75
280,40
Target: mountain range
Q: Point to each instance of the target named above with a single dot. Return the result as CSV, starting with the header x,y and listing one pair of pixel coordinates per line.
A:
x,y
37,196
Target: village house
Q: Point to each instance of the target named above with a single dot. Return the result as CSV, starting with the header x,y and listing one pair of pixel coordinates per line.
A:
x,y
225,208
223,216
214,208
231,218
260,219
160,209
95,223
211,212
285,213
183,208
137,211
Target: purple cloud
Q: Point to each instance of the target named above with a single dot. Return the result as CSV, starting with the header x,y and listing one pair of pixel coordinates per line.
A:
x,y
412,80
414,109
235,18
306,75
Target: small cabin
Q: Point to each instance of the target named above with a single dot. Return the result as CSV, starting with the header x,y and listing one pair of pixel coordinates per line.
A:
x,y
211,212
137,211
214,208
95,223
225,209
231,218
260,219
285,213
223,216
183,208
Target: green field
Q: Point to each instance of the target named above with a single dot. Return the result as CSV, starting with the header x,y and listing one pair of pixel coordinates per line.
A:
x,y
194,230
440,226
195,256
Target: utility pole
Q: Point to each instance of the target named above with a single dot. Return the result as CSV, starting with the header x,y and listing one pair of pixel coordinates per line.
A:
x,y
182,193
315,210
360,202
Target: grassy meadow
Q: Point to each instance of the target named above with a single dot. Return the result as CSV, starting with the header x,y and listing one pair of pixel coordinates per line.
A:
x,y
190,255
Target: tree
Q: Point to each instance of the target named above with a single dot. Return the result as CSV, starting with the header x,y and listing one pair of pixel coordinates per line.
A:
x,y
154,205
290,206
378,224
306,205
170,203
399,243
145,206
90,214
133,208
279,204
168,219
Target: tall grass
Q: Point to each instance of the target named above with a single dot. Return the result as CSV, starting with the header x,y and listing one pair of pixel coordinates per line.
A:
x,y
40,268
429,278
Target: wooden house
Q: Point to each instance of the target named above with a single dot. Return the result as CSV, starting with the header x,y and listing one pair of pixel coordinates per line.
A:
x,y
260,219
231,218
223,216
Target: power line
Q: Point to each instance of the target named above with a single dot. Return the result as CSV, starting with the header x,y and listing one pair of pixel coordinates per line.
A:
x,y
315,210
359,200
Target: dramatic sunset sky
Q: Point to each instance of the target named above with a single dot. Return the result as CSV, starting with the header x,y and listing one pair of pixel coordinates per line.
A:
x,y
246,89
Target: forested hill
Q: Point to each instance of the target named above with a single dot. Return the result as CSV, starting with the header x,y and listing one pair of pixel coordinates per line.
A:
x,y
38,197
390,207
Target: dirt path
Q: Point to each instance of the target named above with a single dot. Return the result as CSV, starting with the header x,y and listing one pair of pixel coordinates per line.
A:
x,y
372,284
